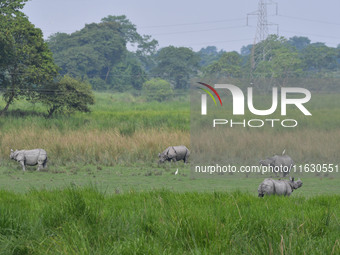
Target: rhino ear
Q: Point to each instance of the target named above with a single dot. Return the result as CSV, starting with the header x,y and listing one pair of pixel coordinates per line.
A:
x,y
292,179
159,154
11,150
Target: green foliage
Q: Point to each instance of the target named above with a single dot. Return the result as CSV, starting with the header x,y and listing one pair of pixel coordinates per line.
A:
x,y
25,60
110,111
11,7
283,64
144,44
90,52
67,95
176,65
98,51
299,42
228,66
128,74
85,221
209,55
296,57
157,89
98,84
318,57
129,32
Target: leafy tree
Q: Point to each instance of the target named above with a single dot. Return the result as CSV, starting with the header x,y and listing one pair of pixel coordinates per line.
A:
x,y
229,65
67,96
317,57
144,44
25,60
299,42
246,50
90,52
157,89
128,74
283,63
11,7
208,55
176,65
99,51
129,32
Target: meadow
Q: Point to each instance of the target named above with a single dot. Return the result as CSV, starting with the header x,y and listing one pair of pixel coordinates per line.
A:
x,y
124,129
104,193
86,221
120,128
122,136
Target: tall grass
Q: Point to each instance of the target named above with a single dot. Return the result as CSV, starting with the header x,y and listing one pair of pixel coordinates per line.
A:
x,y
246,146
124,128
108,147
84,221
316,138
121,128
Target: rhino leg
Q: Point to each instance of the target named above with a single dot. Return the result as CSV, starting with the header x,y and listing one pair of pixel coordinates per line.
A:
x,y
22,163
45,164
40,165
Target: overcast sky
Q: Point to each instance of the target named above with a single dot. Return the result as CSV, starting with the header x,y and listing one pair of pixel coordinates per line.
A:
x,y
194,23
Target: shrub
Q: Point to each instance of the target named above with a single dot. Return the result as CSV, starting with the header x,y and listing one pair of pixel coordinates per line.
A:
x,y
157,89
67,96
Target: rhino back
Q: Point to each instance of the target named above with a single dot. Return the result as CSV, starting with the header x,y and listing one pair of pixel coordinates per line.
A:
x,y
274,187
180,151
284,160
33,156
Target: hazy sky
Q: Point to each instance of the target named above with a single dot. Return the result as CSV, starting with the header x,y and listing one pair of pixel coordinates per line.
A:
x,y
194,24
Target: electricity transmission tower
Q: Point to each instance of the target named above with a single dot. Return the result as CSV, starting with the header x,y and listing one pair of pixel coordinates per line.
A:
x,y
258,52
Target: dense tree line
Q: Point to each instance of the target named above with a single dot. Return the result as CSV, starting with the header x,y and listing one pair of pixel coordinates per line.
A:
x,y
295,56
99,53
112,55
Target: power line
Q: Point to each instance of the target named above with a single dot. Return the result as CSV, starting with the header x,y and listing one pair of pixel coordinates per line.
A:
x,y
201,30
167,25
309,20
225,41
192,23
307,34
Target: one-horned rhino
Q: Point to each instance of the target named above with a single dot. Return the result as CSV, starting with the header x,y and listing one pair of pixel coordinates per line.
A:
x,y
174,153
278,187
279,164
30,158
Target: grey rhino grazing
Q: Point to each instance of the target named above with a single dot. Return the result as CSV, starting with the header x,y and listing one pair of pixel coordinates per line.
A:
x,y
30,158
278,187
174,153
279,163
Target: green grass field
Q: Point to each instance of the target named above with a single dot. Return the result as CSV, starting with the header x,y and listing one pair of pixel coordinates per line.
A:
x,y
85,221
104,193
125,179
